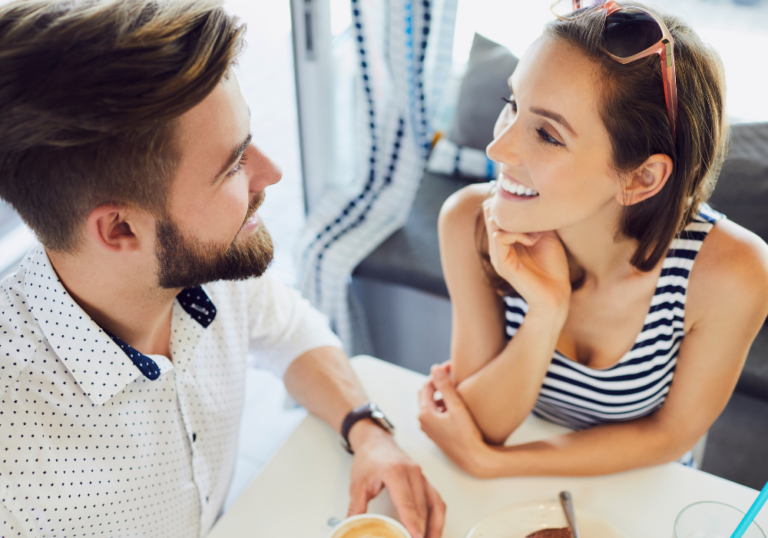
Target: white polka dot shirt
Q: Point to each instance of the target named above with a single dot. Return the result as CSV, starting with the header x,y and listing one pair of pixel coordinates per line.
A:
x,y
101,440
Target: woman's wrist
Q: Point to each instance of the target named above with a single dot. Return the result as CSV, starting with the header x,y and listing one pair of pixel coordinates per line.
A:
x,y
483,462
494,462
547,319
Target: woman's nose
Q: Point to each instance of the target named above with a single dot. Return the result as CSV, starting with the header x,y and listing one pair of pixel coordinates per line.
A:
x,y
504,148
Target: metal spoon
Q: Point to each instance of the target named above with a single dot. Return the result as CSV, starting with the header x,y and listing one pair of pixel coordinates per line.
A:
x,y
567,502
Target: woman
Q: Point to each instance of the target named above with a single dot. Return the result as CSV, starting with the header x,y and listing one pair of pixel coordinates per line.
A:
x,y
577,296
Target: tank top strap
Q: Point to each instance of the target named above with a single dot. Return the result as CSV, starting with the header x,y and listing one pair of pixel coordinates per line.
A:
x,y
684,248
693,235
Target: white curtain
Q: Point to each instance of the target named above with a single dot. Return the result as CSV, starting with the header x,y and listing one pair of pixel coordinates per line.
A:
x,y
404,50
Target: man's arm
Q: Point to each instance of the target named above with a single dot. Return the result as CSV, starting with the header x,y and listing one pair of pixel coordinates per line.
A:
x,y
323,382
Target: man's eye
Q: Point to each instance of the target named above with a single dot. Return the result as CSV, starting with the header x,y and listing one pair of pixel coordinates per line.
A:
x,y
238,167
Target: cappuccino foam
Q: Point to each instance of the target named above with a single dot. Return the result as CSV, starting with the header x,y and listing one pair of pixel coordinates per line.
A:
x,y
369,528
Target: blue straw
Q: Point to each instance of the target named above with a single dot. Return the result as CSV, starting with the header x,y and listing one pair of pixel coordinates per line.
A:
x,y
749,517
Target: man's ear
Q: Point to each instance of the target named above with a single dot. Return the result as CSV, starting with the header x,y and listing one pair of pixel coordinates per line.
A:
x,y
115,227
646,180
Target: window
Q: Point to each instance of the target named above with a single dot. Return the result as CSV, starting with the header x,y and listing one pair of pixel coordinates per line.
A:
x,y
737,29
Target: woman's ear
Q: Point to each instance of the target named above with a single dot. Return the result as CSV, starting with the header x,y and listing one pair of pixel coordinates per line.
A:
x,y
646,180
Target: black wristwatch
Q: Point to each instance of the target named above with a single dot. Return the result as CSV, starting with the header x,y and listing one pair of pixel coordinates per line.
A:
x,y
369,410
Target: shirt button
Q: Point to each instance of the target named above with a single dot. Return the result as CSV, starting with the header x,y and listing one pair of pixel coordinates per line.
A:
x,y
206,498
194,437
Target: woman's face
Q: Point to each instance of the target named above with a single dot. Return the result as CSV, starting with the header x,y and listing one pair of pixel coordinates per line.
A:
x,y
553,150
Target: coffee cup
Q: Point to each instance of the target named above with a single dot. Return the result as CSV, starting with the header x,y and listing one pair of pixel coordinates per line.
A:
x,y
369,526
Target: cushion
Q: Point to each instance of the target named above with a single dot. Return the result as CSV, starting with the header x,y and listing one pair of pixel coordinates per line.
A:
x,y
480,96
742,195
742,189
411,256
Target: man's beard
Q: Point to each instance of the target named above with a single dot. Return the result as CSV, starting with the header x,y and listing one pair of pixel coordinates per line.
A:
x,y
187,263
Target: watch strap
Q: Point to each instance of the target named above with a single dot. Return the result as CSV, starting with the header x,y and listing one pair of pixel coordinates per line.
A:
x,y
368,410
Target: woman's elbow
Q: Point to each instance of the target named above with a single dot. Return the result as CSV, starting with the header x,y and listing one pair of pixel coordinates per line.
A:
x,y
495,429
673,441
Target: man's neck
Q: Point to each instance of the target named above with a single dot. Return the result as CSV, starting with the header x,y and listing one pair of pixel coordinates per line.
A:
x,y
122,299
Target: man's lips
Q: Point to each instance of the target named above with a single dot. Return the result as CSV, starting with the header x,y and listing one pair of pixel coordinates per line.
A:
x,y
252,218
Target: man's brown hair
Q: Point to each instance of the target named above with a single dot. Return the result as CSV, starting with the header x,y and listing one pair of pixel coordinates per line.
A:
x,y
633,110
89,94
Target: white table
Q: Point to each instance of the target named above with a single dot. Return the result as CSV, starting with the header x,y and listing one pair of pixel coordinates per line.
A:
x,y
307,481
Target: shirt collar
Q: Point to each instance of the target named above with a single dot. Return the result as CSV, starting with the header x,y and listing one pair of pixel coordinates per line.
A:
x,y
100,362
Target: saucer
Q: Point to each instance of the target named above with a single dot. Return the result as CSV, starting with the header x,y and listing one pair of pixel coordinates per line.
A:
x,y
520,520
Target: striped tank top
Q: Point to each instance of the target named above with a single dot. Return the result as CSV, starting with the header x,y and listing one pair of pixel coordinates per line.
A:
x,y
579,397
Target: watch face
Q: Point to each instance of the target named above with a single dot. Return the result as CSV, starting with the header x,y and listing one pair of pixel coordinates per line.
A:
x,y
379,417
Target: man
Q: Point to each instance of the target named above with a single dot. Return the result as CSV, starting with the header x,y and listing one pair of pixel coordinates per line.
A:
x,y
124,145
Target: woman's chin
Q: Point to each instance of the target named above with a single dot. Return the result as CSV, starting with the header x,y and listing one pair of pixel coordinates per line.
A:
x,y
511,221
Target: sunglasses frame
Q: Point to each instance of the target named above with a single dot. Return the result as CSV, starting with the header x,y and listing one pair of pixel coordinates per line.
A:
x,y
665,48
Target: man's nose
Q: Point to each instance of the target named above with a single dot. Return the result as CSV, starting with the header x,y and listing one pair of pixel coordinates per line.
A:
x,y
265,171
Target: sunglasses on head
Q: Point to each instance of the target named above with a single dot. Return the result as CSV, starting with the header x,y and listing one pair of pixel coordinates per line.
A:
x,y
631,33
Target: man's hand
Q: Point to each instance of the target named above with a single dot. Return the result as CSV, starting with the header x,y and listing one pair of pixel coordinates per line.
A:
x,y
380,463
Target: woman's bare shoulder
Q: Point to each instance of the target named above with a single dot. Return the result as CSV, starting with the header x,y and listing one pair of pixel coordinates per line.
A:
x,y
463,206
731,271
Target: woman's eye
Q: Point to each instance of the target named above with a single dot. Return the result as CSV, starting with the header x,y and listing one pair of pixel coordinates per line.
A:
x,y
548,138
511,102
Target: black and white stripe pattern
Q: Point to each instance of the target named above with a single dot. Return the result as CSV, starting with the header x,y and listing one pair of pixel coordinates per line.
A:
x,y
404,50
579,397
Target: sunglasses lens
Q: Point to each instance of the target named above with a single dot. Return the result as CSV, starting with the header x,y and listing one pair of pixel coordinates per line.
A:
x,y
630,32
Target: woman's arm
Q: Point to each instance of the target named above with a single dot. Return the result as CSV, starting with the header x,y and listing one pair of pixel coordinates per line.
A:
x,y
726,307
477,334
500,381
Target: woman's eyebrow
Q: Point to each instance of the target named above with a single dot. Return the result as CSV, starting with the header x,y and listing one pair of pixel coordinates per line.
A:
x,y
546,113
553,116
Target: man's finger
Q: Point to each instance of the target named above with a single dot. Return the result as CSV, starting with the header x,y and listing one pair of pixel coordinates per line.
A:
x,y
436,521
400,491
419,493
358,502
444,384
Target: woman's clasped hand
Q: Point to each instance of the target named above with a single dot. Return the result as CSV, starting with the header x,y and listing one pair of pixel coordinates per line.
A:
x,y
534,264
445,419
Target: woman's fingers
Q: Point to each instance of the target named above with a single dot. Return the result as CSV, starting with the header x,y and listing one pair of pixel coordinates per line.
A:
x,y
427,398
510,238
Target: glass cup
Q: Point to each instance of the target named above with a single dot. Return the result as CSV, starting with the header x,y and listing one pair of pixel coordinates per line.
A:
x,y
712,520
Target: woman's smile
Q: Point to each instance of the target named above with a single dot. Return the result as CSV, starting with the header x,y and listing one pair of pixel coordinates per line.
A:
x,y
511,189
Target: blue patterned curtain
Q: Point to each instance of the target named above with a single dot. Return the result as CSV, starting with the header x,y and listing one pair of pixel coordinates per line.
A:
x,y
404,50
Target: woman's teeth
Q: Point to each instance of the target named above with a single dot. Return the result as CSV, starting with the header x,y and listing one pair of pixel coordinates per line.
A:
x,y
516,188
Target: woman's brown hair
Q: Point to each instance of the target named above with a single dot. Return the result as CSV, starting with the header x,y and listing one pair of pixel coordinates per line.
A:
x,y
634,113
89,94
